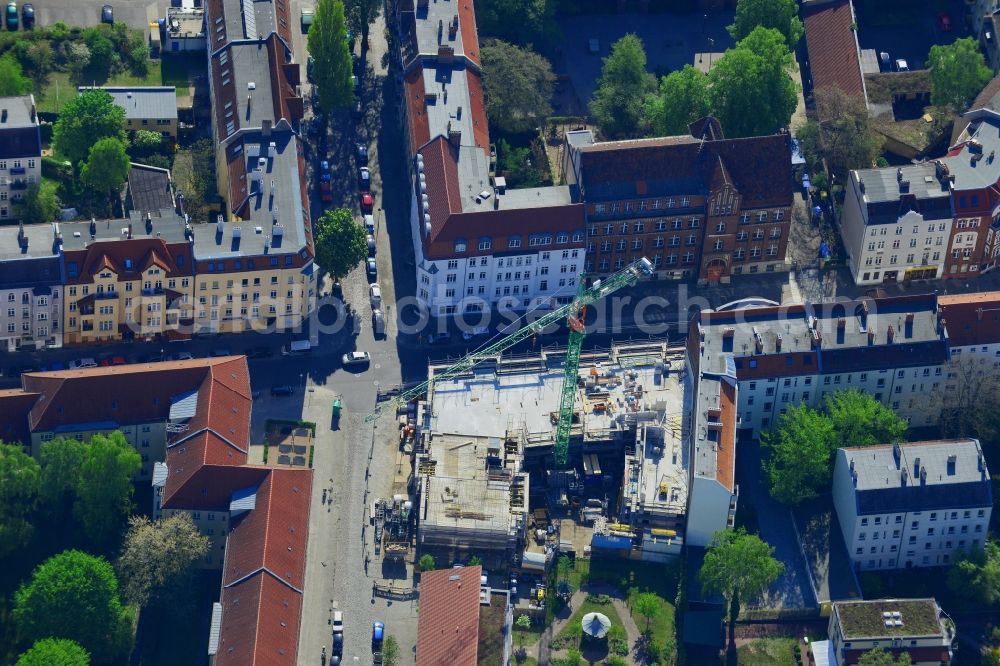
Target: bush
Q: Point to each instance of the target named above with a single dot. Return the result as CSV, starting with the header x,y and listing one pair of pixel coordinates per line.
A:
x,y
56,169
601,599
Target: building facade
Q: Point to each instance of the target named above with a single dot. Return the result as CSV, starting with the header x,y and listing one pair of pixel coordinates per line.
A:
x,y
31,289
915,627
20,152
912,504
185,29
938,219
699,206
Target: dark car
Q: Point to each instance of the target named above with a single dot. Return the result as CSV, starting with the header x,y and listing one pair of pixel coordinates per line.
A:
x,y
338,644
28,16
217,353
260,352
362,154
107,14
364,179
282,390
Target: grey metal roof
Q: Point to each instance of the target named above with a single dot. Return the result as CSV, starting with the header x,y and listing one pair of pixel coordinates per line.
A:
x,y
442,13
31,272
184,406
143,101
977,166
160,474
252,78
243,500
884,184
19,110
215,629
149,189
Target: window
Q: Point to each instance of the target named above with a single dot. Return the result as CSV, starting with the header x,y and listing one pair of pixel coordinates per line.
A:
x,y
485,243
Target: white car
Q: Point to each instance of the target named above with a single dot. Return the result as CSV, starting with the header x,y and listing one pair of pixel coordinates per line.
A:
x,y
356,358
183,356
375,296
338,622
369,223
82,363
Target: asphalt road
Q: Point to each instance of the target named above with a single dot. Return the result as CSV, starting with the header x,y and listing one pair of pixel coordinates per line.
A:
x,y
136,13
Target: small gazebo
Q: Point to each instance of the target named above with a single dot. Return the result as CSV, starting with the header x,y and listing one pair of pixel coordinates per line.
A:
x,y
596,625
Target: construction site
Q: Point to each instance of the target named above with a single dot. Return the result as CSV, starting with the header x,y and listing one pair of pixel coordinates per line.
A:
x,y
490,480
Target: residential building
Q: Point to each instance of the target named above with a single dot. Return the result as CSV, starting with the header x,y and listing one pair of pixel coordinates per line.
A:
x,y
31,280
148,190
832,43
928,220
973,326
448,627
913,504
698,206
185,29
915,627
20,151
149,108
477,243
894,348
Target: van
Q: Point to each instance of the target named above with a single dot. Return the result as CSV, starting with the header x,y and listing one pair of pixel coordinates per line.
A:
x,y
296,348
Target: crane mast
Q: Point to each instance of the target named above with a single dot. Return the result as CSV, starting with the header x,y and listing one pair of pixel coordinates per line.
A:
x,y
574,312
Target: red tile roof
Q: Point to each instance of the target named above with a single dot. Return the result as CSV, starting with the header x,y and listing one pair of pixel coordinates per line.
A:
x,y
448,628
15,406
833,46
971,319
725,458
264,574
477,107
416,105
470,35
112,255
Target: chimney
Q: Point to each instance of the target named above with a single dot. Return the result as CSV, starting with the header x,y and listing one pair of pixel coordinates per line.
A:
x,y
777,343
33,114
130,230
899,175
923,476
454,135
979,314
861,185
890,334
904,478
3,115
916,466
453,28
265,128
871,337
149,222
897,453
908,326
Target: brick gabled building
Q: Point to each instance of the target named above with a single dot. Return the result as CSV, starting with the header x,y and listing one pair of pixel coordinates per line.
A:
x,y
698,206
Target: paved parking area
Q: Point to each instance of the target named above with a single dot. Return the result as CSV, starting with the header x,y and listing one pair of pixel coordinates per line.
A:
x,y
912,41
137,13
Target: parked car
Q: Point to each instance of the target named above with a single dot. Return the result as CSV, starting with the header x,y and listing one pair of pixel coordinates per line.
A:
x,y
355,358
11,15
378,323
182,356
113,360
378,630
944,22
220,352
364,178
282,390
338,622
372,269
324,171
884,62
370,240
107,14
370,223
325,191
77,364
375,295
367,202
901,65
338,644
28,16
362,154
260,352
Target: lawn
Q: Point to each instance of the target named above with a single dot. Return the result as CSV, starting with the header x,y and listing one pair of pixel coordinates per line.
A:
x,y
767,652
661,625
570,635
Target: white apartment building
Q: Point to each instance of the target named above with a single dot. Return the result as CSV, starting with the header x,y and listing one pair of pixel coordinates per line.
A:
x,y
30,295
914,504
20,151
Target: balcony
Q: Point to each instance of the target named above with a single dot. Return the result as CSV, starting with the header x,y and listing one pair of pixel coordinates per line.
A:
x,y
156,291
17,171
87,326
19,184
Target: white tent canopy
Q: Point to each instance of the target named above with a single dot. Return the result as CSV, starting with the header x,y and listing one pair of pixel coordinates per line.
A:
x,y
596,625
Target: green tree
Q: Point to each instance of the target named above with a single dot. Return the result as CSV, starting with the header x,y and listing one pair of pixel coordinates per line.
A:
x,y
85,120
976,575
103,55
782,15
13,82
752,93
74,595
619,102
40,203
390,651
523,624
340,242
647,605
54,652
104,491
844,136
158,559
958,73
61,461
144,142
524,22
798,454
426,562
573,657
518,85
683,98
37,59
474,561
107,167
331,55
20,477
739,566
860,420
360,15
879,657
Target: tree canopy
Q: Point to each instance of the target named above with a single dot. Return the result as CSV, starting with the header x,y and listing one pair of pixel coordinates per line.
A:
x,y
104,487
647,604
331,55
958,73
752,93
13,82
107,166
360,15
682,99
74,595
340,242
20,479
85,120
879,657
976,575
782,15
518,85
159,558
61,460
860,420
619,102
844,137
54,652
523,22
40,203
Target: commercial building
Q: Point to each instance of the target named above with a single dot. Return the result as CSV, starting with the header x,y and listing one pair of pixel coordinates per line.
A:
x,y
149,108
20,151
915,627
698,206
912,504
30,292
477,243
928,220
448,629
